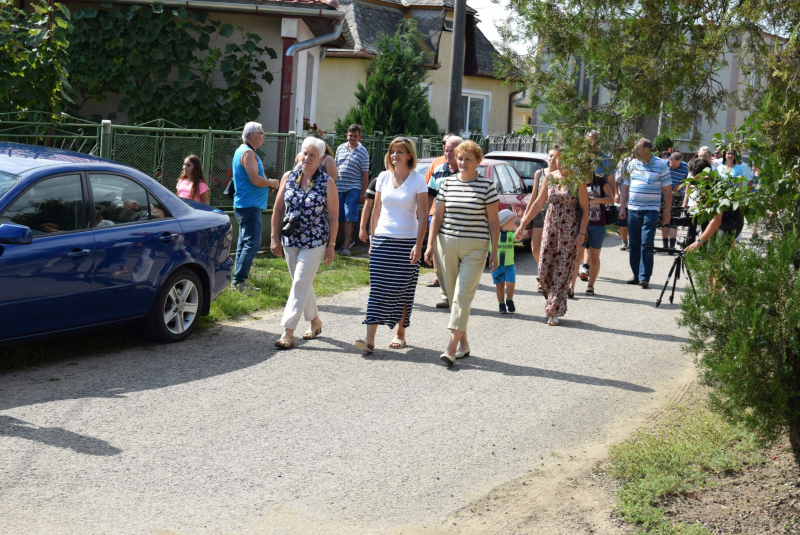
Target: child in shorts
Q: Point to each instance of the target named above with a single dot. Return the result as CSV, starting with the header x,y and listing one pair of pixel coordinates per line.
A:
x,y
505,275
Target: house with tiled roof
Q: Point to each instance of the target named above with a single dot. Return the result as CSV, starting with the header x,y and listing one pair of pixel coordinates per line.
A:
x,y
487,103
297,30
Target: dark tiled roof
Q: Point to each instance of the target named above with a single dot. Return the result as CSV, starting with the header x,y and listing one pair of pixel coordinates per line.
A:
x,y
485,52
364,21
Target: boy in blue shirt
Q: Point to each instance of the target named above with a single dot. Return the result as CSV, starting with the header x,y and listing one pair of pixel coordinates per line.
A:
x,y
505,275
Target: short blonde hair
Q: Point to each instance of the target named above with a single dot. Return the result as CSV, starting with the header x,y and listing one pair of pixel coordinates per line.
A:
x,y
407,144
470,146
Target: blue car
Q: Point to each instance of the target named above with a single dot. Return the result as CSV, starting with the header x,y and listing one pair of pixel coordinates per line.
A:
x,y
86,243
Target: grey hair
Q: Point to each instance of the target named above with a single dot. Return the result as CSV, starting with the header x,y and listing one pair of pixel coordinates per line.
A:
x,y
316,143
704,148
249,128
458,140
592,133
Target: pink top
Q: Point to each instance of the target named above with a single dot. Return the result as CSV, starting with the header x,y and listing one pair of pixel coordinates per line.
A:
x,y
185,189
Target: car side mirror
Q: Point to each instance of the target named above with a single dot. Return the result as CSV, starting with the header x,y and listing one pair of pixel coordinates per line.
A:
x,y
529,189
11,234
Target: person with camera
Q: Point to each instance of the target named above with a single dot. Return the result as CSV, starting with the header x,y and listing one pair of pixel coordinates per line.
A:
x,y
401,208
304,224
250,198
726,223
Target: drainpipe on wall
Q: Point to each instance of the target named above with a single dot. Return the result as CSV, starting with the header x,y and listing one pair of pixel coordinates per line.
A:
x,y
511,110
287,70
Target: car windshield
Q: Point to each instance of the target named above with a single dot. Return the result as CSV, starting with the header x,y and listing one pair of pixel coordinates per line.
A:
x,y
422,167
527,168
6,181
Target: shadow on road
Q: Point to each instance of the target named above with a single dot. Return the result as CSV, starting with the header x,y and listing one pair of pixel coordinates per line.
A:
x,y
202,356
55,436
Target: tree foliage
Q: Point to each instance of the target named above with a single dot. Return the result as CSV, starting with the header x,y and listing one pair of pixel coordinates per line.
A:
x,y
643,54
33,57
162,61
394,99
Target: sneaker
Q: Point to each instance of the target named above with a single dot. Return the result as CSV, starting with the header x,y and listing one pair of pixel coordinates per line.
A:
x,y
583,272
345,252
502,307
352,244
632,280
644,284
510,306
244,286
444,303
624,247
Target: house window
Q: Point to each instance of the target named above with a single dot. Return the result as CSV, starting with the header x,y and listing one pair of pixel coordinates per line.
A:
x,y
448,25
475,106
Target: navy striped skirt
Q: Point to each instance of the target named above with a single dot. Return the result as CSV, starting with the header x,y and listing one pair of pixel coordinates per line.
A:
x,y
392,280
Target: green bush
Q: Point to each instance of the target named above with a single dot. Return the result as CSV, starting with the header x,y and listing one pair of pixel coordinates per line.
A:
x,y
662,142
525,130
743,323
33,57
395,97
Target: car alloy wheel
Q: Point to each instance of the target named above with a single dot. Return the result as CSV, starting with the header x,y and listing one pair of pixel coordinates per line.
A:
x,y
177,309
181,306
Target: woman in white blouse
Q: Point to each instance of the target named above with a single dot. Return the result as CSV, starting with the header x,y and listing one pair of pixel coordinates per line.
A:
x,y
398,223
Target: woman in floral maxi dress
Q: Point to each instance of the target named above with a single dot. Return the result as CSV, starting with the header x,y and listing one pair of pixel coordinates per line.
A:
x,y
564,231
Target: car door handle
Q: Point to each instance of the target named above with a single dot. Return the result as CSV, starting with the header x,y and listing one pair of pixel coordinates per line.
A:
x,y
78,253
168,238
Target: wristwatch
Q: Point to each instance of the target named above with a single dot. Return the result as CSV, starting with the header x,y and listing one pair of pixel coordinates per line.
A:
x,y
700,240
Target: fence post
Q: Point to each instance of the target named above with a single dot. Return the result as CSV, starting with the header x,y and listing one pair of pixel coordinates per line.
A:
x,y
486,145
289,152
207,148
105,139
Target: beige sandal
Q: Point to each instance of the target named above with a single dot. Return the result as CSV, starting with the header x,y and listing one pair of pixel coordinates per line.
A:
x,y
313,332
284,343
397,343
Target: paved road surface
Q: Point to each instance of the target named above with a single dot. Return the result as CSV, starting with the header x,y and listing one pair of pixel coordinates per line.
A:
x,y
222,434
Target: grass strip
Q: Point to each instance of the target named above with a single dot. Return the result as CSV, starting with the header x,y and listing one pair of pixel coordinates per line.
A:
x,y
268,273
678,456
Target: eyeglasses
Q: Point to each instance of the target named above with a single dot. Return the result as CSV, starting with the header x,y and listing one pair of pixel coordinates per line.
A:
x,y
404,139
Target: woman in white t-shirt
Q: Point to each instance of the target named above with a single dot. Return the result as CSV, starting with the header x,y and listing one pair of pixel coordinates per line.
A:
x,y
398,222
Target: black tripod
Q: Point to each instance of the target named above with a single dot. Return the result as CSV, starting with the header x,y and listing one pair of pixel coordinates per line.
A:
x,y
674,272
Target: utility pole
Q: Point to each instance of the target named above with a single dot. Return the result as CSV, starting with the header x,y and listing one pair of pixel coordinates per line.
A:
x,y
455,121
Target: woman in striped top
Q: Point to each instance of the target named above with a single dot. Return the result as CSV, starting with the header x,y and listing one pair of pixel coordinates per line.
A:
x,y
466,226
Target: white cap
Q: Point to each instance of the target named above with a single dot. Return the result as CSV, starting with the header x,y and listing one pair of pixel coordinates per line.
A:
x,y
505,216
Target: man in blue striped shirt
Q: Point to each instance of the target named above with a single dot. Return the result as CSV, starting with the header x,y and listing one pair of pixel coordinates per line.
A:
x,y
352,162
649,177
678,171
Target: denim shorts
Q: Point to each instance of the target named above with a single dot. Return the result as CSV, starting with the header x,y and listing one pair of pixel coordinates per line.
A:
x,y
595,235
505,274
348,205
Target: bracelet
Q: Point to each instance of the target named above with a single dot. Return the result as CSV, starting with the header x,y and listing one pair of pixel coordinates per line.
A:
x,y
332,243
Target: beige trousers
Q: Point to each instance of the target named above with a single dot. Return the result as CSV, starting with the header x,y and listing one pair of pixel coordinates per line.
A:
x,y
439,276
303,266
463,261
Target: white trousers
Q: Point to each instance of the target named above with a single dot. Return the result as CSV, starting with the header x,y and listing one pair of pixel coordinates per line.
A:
x,y
303,266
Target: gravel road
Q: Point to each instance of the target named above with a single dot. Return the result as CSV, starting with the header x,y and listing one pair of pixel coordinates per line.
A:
x,y
224,434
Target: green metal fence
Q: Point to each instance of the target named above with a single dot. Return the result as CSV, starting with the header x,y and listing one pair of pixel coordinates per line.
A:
x,y
50,130
158,148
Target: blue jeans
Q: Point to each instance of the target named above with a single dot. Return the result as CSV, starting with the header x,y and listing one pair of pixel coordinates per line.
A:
x,y
249,241
642,233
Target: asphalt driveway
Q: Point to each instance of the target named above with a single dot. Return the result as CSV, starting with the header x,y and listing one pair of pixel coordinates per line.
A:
x,y
224,434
